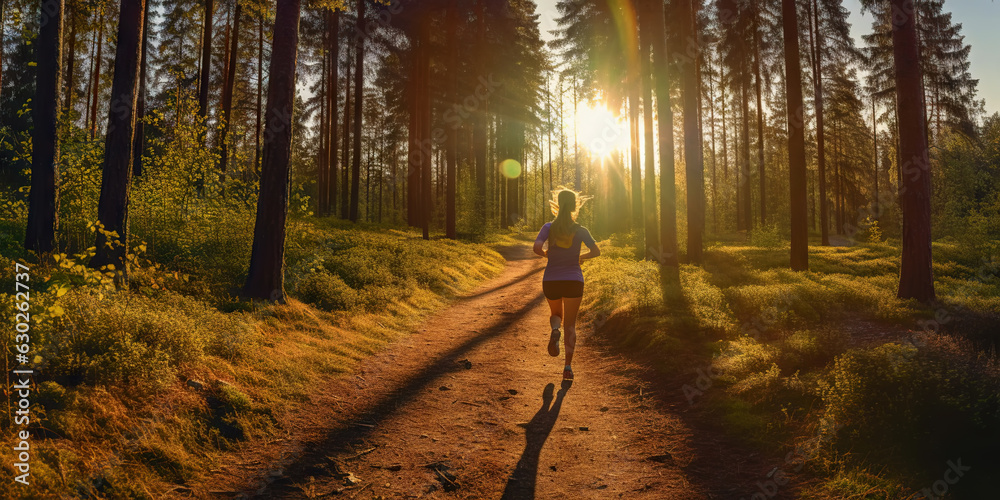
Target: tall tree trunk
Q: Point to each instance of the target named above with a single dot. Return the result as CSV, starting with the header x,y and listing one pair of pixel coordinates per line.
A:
x,y
3,12
760,120
824,210
43,199
876,211
423,112
645,46
665,126
796,139
479,132
96,85
412,151
206,59
452,146
695,168
323,155
333,91
140,114
265,279
715,158
745,181
725,125
634,161
116,181
225,115
359,90
70,58
260,92
345,187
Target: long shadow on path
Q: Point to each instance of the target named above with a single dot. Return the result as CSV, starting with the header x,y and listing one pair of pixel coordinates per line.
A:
x,y
389,403
521,484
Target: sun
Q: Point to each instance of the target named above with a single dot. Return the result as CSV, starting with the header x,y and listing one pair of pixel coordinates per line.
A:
x,y
600,131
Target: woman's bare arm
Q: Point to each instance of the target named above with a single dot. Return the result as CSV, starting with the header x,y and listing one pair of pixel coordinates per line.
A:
x,y
538,248
593,253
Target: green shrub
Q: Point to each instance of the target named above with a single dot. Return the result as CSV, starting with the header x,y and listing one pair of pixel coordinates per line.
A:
x,y
807,349
768,236
121,338
924,401
327,291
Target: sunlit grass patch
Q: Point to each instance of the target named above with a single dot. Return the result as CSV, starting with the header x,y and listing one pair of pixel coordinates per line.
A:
x,y
167,381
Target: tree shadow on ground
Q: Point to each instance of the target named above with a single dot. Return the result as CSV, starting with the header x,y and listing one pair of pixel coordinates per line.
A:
x,y
345,434
521,483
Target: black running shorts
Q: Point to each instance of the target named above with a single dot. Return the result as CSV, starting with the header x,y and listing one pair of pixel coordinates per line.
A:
x,y
555,290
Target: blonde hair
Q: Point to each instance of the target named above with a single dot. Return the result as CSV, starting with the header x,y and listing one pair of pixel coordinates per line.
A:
x,y
565,204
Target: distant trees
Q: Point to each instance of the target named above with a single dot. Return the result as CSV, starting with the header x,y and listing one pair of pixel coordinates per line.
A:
x,y
204,75
266,276
226,108
43,199
407,115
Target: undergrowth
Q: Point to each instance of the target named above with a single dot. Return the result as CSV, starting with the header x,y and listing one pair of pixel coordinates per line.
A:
x,y
870,390
145,387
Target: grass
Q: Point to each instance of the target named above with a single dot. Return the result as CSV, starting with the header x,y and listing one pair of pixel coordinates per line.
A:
x,y
149,387
884,389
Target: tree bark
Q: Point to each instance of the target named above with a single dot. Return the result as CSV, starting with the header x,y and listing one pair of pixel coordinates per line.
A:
x,y
260,92
796,139
916,277
265,279
715,158
760,119
140,124
824,210
359,82
333,91
206,59
744,177
3,11
665,125
225,116
876,210
695,168
479,132
649,209
96,85
322,155
345,191
43,199
70,58
116,181
452,147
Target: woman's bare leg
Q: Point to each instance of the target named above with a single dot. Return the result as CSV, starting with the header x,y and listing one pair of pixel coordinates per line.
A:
x,y
570,308
556,310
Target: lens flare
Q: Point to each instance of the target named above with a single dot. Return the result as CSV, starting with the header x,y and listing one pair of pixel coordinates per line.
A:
x,y
600,131
510,169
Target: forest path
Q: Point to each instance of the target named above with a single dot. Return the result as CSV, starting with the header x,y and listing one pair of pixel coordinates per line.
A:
x,y
418,421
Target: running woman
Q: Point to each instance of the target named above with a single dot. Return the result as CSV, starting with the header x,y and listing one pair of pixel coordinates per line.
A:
x,y
562,282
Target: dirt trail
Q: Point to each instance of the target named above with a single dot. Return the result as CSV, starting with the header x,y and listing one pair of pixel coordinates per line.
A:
x,y
418,421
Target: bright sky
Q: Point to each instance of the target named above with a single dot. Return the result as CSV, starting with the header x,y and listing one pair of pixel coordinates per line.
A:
x,y
979,19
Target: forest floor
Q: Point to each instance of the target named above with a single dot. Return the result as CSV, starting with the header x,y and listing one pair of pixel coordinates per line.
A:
x,y
472,406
